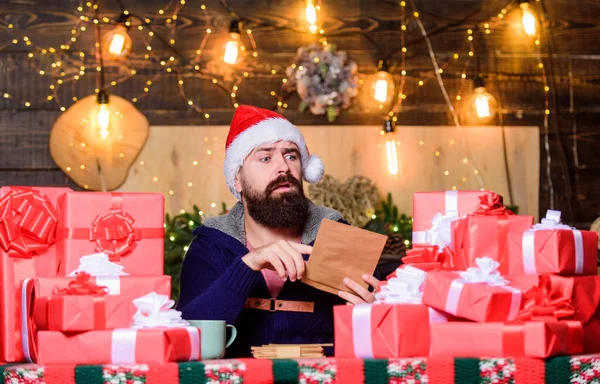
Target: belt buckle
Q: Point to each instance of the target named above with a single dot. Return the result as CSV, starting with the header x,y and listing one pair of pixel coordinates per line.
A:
x,y
272,306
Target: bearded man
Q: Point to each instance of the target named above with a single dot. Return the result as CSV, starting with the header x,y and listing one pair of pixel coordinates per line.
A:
x,y
245,267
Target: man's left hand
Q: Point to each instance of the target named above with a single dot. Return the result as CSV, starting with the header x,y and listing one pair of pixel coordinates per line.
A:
x,y
361,294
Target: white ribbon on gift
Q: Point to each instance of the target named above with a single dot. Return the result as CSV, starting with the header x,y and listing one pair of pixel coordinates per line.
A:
x,y
550,223
405,288
154,311
362,338
24,321
440,234
106,272
486,273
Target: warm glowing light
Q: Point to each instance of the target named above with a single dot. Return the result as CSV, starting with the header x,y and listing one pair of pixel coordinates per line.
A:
x,y
392,157
381,90
103,119
117,42
528,19
311,12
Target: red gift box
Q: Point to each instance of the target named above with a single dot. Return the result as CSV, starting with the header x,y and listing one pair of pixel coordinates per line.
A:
x,y
28,221
453,293
120,346
382,330
591,334
85,306
122,291
485,233
576,297
522,339
75,313
128,227
565,252
426,205
561,297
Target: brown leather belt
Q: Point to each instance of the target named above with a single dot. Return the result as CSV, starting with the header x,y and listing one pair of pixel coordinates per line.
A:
x,y
274,305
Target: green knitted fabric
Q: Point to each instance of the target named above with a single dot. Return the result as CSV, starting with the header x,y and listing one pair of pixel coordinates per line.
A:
x,y
192,373
558,370
88,374
285,371
466,371
4,367
376,371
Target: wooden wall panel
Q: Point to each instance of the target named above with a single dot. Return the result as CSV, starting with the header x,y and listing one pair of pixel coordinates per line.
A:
x,y
171,151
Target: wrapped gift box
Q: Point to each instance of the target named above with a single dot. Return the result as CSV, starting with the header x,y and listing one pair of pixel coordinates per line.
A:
x,y
551,247
442,206
479,294
576,297
383,330
120,308
572,297
128,227
591,334
524,339
28,220
78,313
479,235
119,346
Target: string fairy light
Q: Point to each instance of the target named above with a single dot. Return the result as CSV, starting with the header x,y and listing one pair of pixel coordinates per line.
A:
x,y
447,99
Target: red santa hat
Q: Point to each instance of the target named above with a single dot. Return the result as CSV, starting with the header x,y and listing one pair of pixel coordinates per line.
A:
x,y
252,127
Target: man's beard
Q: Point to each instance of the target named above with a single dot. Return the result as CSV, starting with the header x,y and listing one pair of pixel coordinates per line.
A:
x,y
282,211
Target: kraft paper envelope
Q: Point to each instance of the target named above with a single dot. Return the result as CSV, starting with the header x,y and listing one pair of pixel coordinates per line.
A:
x,y
341,251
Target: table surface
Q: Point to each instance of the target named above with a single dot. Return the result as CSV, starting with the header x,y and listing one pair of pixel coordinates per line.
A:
x,y
557,370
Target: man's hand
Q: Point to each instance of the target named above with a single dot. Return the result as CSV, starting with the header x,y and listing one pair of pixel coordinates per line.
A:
x,y
282,256
362,295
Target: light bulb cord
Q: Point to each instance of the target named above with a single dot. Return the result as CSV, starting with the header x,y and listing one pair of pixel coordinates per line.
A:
x,y
100,80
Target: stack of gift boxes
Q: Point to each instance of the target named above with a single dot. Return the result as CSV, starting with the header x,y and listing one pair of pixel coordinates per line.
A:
x,y
481,281
82,280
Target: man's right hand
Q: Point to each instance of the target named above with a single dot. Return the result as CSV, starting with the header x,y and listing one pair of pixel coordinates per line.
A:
x,y
282,256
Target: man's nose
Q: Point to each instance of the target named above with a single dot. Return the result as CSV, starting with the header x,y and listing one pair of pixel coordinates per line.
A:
x,y
282,165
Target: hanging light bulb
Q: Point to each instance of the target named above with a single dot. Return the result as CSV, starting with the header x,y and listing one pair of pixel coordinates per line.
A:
x,y
311,16
390,148
383,87
116,44
233,46
482,105
103,115
528,18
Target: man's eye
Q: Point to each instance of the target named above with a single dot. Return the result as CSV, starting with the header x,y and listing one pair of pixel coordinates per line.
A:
x,y
265,159
292,157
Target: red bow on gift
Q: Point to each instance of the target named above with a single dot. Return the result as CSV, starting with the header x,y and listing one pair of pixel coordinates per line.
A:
x,y
82,286
492,204
546,301
27,223
114,234
421,254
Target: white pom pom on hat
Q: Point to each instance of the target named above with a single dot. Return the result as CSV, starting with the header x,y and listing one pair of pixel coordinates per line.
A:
x,y
252,127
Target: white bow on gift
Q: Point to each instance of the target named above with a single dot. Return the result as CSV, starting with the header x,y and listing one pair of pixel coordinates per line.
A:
x,y
485,272
406,287
106,272
98,264
154,310
440,233
551,222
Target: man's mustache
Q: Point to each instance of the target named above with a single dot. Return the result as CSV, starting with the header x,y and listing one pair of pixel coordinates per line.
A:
x,y
283,179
